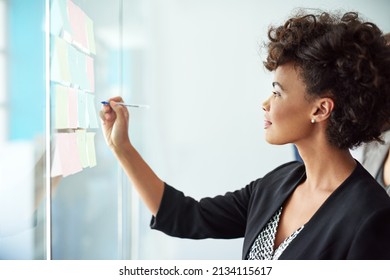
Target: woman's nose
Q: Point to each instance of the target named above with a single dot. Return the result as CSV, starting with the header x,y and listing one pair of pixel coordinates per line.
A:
x,y
265,105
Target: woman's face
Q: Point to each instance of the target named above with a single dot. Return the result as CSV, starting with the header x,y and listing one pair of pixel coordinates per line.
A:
x,y
288,113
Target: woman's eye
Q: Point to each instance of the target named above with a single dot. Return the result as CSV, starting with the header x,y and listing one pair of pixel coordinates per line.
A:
x,y
275,94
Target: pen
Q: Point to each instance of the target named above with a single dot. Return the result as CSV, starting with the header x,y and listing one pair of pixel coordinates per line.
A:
x,y
127,105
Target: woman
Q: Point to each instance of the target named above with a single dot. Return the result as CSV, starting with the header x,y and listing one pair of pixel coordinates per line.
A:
x,y
331,92
376,156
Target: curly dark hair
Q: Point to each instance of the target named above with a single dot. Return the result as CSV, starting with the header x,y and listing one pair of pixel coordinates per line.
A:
x,y
342,57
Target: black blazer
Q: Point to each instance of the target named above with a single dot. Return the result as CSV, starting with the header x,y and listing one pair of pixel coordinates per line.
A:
x,y
353,223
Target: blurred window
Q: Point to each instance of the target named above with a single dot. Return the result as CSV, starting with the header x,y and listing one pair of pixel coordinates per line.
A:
x,y
3,78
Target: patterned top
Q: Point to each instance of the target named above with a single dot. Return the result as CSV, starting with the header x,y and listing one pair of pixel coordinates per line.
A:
x,y
262,248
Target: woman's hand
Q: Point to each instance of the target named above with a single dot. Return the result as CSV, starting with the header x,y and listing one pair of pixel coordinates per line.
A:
x,y
115,123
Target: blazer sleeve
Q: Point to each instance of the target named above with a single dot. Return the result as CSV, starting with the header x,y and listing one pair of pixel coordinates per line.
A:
x,y
372,241
218,217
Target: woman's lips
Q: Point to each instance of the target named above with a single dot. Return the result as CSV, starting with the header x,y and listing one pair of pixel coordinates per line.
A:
x,y
267,123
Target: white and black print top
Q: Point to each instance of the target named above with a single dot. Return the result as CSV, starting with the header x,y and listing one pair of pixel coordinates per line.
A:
x,y
262,248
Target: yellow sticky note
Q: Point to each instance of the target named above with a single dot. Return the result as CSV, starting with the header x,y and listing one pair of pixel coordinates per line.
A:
x,y
59,67
73,107
90,35
90,141
61,107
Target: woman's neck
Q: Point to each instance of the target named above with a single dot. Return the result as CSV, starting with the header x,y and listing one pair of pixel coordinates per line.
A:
x,y
326,166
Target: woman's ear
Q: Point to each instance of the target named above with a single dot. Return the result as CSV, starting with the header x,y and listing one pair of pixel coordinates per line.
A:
x,y
323,108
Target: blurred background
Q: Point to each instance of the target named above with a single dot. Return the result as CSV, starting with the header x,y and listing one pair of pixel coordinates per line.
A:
x,y
197,63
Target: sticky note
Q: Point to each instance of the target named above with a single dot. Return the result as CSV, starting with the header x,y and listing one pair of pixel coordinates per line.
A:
x,y
92,119
90,73
56,167
59,22
61,107
82,79
56,20
71,155
90,141
78,25
74,66
81,135
90,35
68,154
59,61
72,108
82,109
78,68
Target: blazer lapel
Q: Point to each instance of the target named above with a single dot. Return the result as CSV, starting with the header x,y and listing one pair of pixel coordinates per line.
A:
x,y
267,200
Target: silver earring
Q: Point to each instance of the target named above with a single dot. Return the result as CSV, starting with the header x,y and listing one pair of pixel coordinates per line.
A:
x,y
313,120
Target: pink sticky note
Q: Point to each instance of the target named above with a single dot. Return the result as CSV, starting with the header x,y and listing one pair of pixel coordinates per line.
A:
x,y
68,152
74,153
78,24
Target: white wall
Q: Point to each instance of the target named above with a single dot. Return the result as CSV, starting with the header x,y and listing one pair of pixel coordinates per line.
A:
x,y
203,133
